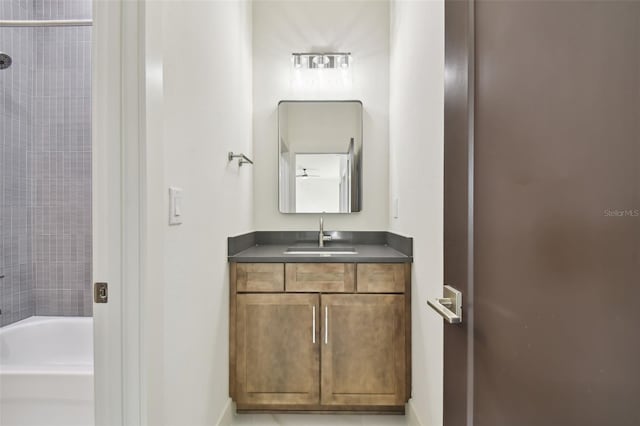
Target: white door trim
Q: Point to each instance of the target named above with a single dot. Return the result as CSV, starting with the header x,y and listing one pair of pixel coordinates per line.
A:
x,y
117,249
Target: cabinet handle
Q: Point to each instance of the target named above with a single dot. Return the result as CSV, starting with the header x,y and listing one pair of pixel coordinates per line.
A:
x,y
326,325
313,336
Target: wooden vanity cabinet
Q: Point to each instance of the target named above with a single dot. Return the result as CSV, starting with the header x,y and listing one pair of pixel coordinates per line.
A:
x,y
335,337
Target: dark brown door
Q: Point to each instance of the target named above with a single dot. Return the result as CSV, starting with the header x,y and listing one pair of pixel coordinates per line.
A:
x,y
278,349
546,244
363,349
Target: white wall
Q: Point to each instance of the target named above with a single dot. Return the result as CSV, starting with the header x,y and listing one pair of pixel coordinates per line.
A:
x,y
416,170
202,111
283,27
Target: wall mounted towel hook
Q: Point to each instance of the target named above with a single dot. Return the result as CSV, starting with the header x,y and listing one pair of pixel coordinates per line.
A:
x,y
243,159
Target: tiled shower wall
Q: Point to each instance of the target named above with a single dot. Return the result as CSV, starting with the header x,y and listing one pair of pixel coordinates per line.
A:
x,y
45,225
60,160
16,133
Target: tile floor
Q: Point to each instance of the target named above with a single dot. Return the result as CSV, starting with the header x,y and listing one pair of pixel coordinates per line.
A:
x,y
318,420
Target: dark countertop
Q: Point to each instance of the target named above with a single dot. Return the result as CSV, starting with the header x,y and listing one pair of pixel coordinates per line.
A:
x,y
263,247
366,254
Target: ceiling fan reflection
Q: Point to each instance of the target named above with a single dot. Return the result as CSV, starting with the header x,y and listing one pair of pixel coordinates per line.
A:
x,y
306,175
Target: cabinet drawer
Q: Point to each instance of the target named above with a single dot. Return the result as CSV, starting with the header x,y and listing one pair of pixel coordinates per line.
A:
x,y
382,277
260,277
320,277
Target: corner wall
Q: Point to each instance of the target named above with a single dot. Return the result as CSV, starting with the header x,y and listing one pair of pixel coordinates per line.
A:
x,y
416,170
198,107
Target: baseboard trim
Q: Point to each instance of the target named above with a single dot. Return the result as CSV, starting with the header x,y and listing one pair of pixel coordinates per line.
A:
x,y
412,415
226,416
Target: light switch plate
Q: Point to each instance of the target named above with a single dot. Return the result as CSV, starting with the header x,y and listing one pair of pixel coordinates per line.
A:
x,y
175,205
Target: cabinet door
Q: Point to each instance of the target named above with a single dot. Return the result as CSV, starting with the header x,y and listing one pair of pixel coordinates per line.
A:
x,y
278,349
363,350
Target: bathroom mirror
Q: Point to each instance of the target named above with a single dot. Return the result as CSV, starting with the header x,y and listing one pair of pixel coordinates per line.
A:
x,y
320,156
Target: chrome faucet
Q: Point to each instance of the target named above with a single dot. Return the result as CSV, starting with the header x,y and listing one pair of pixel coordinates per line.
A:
x,y
321,237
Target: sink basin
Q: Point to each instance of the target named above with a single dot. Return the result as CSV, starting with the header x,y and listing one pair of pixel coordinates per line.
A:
x,y
321,251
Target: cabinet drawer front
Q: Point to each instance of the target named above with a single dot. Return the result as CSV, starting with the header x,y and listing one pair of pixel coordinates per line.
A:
x,y
320,277
382,277
260,277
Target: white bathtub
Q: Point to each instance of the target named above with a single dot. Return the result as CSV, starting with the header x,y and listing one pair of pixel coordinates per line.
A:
x,y
46,372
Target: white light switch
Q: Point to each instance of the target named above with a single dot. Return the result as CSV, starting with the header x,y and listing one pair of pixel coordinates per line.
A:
x,y
175,206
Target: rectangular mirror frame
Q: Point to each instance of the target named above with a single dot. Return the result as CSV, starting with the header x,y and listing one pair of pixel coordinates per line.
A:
x,y
355,166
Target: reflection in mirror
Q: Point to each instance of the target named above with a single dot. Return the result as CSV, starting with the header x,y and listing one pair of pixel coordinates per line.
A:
x,y
320,156
322,183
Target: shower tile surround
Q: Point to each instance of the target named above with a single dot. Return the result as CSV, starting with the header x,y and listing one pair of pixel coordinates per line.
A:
x,y
45,163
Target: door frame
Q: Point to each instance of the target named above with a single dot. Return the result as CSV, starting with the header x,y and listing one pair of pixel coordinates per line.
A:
x,y
117,162
459,208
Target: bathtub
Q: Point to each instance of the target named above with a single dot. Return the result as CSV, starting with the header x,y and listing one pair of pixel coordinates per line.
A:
x,y
46,372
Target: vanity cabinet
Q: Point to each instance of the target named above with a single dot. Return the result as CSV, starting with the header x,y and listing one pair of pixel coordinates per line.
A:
x,y
330,337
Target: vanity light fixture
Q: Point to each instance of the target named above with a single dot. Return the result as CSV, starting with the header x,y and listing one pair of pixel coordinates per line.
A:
x,y
320,61
340,60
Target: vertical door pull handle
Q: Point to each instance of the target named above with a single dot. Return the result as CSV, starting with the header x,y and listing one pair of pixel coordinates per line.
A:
x,y
326,325
313,336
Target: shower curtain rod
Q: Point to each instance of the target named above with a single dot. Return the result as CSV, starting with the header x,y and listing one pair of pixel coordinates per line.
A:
x,y
48,23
